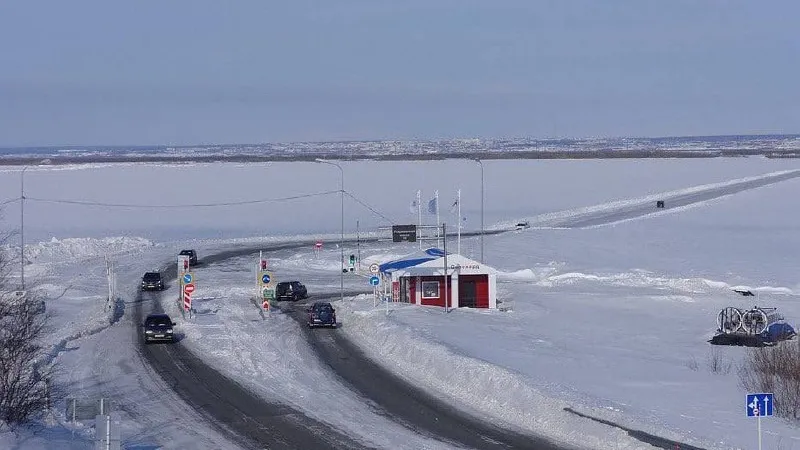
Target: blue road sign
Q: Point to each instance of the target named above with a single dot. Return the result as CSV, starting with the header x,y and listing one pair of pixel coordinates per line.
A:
x,y
265,278
374,281
187,278
759,405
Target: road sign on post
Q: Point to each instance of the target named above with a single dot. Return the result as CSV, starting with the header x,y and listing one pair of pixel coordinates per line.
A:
x,y
374,268
374,281
758,406
183,263
265,278
188,278
404,233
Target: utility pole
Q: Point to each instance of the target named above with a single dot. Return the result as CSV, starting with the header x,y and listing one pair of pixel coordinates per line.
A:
x,y
446,281
341,240
358,247
22,227
482,210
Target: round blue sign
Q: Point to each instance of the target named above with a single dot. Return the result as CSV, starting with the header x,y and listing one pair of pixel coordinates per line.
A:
x,y
265,278
374,281
187,278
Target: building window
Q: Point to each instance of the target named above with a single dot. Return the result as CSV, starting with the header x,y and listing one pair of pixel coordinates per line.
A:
x,y
430,289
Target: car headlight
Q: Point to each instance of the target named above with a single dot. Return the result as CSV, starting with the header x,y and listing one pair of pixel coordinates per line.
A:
x,y
149,332
169,331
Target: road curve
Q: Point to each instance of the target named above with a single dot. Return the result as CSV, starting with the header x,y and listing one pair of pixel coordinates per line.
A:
x,y
255,423
407,404
236,412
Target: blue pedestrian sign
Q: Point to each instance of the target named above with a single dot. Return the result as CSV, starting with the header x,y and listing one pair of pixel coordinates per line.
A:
x,y
265,278
374,281
187,278
759,405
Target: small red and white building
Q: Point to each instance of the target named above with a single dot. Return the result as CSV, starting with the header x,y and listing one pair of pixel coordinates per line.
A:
x,y
421,279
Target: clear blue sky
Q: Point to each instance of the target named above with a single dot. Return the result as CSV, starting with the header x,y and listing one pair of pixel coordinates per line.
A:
x,y
198,71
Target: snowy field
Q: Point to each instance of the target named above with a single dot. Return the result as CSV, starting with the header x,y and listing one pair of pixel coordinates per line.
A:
x,y
611,321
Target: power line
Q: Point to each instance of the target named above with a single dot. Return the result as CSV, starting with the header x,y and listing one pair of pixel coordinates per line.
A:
x,y
190,205
369,208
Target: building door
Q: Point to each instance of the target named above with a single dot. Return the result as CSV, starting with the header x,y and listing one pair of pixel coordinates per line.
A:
x,y
405,290
467,294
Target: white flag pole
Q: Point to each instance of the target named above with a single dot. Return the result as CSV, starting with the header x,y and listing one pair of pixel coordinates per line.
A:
x,y
419,212
438,222
459,221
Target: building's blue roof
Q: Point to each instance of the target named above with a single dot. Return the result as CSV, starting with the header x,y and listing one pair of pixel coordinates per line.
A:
x,y
412,260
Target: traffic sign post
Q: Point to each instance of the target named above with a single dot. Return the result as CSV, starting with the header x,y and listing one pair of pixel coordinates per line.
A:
x,y
374,268
188,278
265,278
187,296
759,405
267,296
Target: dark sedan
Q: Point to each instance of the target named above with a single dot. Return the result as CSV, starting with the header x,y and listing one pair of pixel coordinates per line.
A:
x,y
158,327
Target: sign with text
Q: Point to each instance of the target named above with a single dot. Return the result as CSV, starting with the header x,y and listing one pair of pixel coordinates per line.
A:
x,y
404,233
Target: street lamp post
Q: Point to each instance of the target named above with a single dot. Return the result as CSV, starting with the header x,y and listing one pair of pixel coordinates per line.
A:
x,y
22,227
341,239
482,228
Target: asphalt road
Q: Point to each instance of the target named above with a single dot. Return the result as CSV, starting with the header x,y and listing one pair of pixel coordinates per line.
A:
x,y
407,404
638,210
235,411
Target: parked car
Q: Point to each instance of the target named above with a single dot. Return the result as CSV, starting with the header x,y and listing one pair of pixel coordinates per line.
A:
x,y
152,281
322,314
192,256
290,290
158,327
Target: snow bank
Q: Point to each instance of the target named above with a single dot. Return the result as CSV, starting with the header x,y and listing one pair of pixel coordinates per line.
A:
x,y
487,390
79,248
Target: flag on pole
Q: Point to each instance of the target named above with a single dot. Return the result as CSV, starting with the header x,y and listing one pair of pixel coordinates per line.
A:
x,y
414,206
433,208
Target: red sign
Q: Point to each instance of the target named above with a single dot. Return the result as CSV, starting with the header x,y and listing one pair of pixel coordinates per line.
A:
x,y
318,244
395,291
265,305
188,289
187,301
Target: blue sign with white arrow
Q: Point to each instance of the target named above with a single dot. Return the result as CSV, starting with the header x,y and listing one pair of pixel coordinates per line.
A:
x,y
265,278
374,281
187,278
759,405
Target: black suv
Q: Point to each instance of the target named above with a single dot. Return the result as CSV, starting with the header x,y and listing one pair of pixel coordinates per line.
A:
x,y
158,327
152,281
192,256
290,290
322,314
